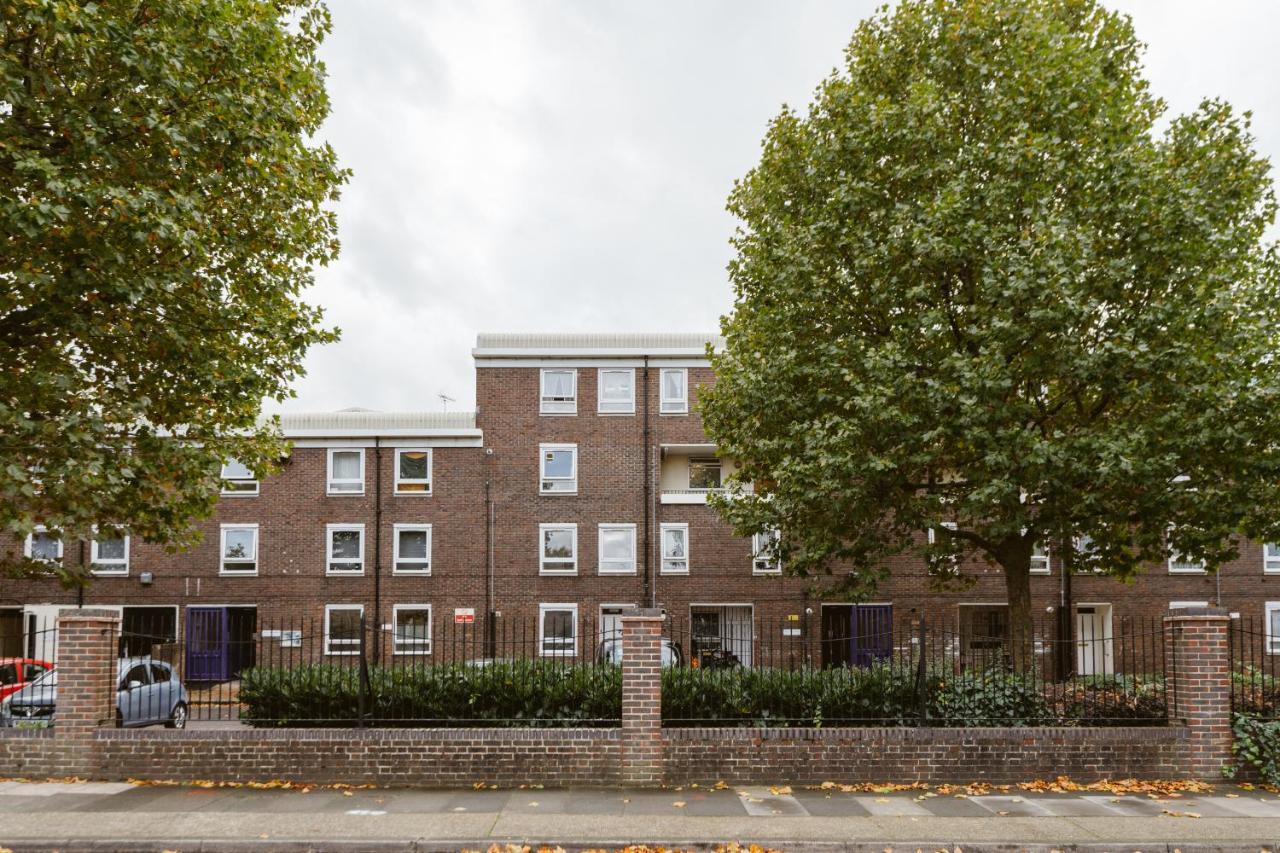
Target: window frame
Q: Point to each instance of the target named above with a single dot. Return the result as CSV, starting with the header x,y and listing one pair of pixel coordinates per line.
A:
x,y
630,403
223,571
662,548
1270,565
551,607
431,627
396,530
755,554
414,482
234,481
543,450
29,543
113,568
350,648
702,461
329,530
571,404
542,549
601,567
1046,556
1173,558
673,405
330,480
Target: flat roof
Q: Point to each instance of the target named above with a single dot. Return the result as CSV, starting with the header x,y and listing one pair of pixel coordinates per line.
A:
x,y
617,344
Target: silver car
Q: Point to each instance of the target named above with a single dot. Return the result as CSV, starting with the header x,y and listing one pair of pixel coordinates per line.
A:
x,y
148,693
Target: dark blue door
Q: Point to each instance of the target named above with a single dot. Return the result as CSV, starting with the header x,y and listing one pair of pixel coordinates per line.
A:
x,y
872,636
207,644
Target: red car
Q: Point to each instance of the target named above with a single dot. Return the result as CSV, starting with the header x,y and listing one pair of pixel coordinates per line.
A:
x,y
17,673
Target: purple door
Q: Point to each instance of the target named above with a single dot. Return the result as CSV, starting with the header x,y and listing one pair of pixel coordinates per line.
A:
x,y
207,646
872,635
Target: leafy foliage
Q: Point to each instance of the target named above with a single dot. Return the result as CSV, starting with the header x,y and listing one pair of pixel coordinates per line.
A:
x,y
164,207
1257,746
992,294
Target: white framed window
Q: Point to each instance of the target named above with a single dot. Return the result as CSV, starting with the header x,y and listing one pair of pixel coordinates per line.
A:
x,y
1039,560
345,548
239,549
765,559
559,392
1271,558
558,549
238,480
1181,565
617,549
675,549
558,469
1183,605
342,628
413,471
558,630
1273,627
411,629
674,394
109,555
411,546
706,472
616,391
43,546
346,471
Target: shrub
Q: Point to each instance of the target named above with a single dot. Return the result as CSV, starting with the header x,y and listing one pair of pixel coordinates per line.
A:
x,y
1257,745
988,698
1255,692
1115,700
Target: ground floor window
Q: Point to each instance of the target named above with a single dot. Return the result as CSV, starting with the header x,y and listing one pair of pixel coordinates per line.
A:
x,y
558,629
721,634
342,629
1273,627
411,625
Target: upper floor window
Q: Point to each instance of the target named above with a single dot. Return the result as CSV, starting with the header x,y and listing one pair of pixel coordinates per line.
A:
x,y
1039,560
1271,557
412,547
239,549
675,549
675,391
109,555
43,546
237,479
558,554
704,472
617,549
559,468
345,549
765,559
413,472
617,391
346,472
559,392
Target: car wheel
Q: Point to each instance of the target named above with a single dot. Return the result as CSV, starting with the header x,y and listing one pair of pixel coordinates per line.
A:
x,y
177,717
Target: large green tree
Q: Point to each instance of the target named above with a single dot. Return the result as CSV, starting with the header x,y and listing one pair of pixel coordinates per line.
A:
x,y
985,288
164,205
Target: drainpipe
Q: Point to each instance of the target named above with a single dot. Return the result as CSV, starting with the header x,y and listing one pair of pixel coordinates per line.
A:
x,y
377,545
491,627
80,587
650,593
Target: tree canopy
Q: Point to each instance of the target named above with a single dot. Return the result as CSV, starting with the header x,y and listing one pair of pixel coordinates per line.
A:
x,y
985,287
164,205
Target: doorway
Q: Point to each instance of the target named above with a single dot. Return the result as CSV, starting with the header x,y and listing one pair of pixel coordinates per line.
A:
x,y
1094,642
856,634
11,632
610,627
722,634
220,642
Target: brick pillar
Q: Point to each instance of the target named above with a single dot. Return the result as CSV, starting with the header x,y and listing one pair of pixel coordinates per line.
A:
x,y
86,665
642,697
1198,682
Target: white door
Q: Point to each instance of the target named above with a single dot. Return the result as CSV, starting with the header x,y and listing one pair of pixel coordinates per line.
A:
x,y
39,623
611,621
1094,643
738,627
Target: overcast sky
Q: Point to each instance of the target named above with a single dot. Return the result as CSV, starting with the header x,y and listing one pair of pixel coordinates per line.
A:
x,y
562,165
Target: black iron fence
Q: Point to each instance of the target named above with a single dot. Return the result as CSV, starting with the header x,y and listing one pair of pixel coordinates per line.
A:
x,y
1255,685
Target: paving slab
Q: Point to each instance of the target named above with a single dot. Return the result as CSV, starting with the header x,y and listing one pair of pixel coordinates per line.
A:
x,y
822,804
1006,805
951,807
890,806
760,801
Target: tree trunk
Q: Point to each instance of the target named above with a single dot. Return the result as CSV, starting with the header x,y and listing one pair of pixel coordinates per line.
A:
x,y
1017,576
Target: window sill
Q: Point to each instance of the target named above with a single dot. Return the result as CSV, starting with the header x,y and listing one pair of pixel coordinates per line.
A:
x,y
410,654
400,494
572,414
420,573
107,573
603,571
342,654
226,574
358,494
238,494
572,494
350,574
551,573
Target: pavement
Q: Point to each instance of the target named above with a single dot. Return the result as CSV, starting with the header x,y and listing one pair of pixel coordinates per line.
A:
x,y
98,816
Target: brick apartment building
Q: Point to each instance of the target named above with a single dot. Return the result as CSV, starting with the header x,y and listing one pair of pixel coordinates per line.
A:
x,y
576,490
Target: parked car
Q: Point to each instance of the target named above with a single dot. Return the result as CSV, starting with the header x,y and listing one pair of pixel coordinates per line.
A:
x,y
148,693
610,651
17,673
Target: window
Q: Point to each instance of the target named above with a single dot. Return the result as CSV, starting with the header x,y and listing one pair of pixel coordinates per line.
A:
x,y
346,549
559,392
559,468
675,391
616,392
43,546
1039,560
411,629
704,472
346,472
1271,557
1183,605
765,559
412,546
558,629
617,549
413,472
238,479
1178,564
109,555
239,549
342,629
559,544
675,549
